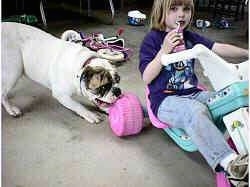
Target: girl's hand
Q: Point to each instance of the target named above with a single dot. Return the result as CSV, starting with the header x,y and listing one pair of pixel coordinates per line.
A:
x,y
171,40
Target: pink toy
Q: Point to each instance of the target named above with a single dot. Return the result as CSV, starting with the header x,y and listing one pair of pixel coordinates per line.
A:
x,y
221,180
126,115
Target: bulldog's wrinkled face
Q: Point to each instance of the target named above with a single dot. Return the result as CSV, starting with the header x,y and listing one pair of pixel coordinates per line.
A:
x,y
101,83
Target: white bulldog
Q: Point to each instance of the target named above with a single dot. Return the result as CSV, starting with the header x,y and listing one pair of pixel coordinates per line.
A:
x,y
64,67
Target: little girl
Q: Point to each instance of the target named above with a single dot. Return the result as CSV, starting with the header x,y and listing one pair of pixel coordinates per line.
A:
x,y
174,95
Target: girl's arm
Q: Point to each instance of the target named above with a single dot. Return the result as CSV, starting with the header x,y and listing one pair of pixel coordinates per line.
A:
x,y
227,50
153,68
171,40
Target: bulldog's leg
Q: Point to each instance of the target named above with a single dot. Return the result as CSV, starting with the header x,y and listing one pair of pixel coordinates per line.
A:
x,y
12,69
7,85
73,105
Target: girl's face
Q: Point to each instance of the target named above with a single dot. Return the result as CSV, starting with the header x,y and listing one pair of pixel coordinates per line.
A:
x,y
178,13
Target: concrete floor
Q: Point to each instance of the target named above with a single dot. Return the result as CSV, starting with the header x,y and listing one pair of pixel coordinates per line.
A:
x,y
51,146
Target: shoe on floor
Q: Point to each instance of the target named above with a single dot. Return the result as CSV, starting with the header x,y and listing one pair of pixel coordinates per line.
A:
x,y
200,23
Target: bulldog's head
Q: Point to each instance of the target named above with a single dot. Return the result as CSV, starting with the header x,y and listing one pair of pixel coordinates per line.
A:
x,y
99,82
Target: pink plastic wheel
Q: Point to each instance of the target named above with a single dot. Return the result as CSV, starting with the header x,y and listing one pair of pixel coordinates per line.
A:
x,y
126,115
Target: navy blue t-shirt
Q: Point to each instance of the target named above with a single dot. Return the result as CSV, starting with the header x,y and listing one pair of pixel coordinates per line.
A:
x,y
175,79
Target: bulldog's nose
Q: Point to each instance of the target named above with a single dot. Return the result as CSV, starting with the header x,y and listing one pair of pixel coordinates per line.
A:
x,y
116,91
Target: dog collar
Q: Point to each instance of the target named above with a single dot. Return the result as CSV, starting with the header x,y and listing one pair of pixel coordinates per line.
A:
x,y
80,75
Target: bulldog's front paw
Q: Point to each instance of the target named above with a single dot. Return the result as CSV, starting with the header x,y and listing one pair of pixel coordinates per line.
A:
x,y
14,111
92,117
75,106
10,108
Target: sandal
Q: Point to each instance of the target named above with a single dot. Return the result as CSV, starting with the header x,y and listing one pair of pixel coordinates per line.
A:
x,y
109,48
109,54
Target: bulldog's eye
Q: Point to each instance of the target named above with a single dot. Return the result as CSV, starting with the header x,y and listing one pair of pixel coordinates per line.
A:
x,y
102,90
117,78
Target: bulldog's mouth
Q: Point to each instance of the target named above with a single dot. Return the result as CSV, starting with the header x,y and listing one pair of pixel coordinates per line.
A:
x,y
101,103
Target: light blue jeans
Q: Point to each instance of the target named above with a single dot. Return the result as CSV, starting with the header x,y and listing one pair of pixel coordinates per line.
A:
x,y
192,115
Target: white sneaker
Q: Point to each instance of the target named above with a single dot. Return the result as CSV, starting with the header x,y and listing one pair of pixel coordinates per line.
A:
x,y
237,171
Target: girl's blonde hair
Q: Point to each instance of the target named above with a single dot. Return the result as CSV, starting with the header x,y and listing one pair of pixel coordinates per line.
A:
x,y
160,9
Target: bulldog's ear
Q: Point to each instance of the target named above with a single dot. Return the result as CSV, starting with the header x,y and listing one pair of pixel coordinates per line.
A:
x,y
71,35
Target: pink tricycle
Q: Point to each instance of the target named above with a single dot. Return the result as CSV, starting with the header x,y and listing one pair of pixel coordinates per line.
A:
x,y
229,108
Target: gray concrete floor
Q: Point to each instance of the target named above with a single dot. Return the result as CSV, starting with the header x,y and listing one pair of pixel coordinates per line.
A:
x,y
51,146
